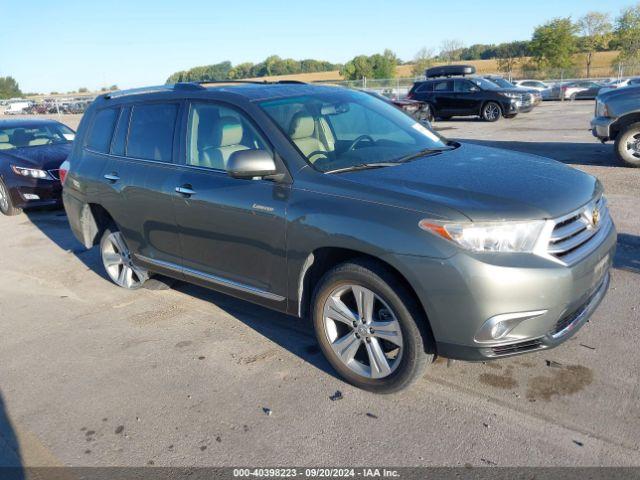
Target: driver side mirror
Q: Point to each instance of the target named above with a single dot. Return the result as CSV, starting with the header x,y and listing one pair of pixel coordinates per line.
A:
x,y
249,164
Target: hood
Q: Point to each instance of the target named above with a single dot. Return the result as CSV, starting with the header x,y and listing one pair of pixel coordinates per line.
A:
x,y
45,157
485,184
629,90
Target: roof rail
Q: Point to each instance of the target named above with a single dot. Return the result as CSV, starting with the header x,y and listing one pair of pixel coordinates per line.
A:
x,y
134,91
187,86
191,86
253,82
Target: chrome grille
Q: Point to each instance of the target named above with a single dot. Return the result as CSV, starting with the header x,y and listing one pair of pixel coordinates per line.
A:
x,y
579,233
55,174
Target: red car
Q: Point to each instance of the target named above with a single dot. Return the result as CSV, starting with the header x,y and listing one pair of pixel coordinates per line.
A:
x,y
416,108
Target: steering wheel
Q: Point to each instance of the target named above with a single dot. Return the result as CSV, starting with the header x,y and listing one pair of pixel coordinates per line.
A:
x,y
358,140
313,156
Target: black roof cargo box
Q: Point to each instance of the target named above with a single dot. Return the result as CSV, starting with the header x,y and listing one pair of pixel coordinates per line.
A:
x,y
450,70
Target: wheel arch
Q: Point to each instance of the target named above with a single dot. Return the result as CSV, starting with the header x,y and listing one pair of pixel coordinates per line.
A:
x,y
623,122
93,221
324,259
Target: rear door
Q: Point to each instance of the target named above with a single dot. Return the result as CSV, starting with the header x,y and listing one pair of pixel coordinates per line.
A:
x,y
232,231
444,97
140,177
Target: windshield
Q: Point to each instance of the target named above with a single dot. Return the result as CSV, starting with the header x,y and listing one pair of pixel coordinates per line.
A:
x,y
34,135
344,129
484,83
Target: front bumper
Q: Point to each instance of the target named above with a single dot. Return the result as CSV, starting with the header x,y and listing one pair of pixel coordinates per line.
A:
x,y
525,107
601,127
27,192
461,293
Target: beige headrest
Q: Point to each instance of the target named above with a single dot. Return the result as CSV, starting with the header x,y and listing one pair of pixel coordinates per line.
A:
x,y
230,131
302,126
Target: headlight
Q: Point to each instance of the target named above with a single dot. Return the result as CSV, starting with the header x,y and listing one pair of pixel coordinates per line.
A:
x,y
31,172
489,237
515,96
601,109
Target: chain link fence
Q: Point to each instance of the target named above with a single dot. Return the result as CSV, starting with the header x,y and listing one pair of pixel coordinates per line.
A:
x,y
399,87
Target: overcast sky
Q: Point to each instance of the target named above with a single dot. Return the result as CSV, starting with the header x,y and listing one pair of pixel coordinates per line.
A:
x,y
66,44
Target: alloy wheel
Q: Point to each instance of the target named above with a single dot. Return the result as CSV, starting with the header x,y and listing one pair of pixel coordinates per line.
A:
x,y
633,145
491,112
363,331
118,264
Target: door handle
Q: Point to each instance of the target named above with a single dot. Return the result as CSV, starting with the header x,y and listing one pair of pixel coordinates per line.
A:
x,y
112,177
185,190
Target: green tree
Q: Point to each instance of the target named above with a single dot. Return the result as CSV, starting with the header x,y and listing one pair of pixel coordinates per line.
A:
x,y
596,30
85,89
9,88
554,43
628,34
422,60
242,70
384,66
356,68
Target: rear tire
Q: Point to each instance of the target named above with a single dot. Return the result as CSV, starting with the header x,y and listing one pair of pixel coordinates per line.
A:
x,y
6,204
491,112
379,342
118,262
627,145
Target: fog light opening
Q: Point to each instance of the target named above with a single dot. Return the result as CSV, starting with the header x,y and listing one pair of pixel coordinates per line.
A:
x,y
30,196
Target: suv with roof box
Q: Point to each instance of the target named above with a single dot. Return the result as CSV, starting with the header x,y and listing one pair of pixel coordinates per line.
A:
x,y
329,203
450,92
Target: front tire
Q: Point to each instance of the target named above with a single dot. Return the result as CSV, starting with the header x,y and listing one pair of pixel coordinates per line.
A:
x,y
117,261
370,328
491,112
627,145
6,204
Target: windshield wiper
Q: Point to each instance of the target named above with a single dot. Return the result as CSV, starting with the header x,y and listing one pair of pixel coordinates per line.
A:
x,y
422,153
363,166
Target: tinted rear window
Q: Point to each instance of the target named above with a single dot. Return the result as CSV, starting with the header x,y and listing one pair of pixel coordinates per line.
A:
x,y
151,131
104,122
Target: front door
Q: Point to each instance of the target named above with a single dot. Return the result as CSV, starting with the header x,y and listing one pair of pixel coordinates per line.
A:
x,y
232,231
468,97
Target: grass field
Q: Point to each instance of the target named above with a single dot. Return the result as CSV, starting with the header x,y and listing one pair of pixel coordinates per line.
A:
x,y
601,67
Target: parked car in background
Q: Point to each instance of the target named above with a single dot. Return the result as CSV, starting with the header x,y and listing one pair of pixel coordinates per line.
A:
x,y
533,84
586,90
417,109
536,96
617,118
620,83
17,108
328,203
31,152
450,92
